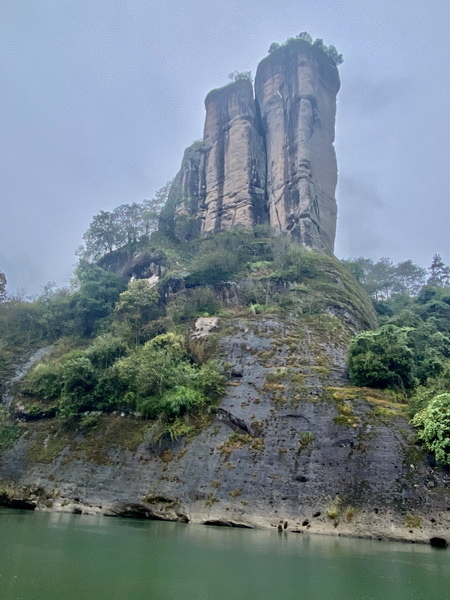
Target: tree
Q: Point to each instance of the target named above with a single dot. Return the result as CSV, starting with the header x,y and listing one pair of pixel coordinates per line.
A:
x,y
152,208
433,423
127,224
383,279
96,298
335,56
103,235
138,305
273,46
381,358
304,35
318,43
130,221
2,287
439,273
409,277
238,75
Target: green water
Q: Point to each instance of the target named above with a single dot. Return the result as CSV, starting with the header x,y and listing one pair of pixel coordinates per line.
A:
x,y
70,557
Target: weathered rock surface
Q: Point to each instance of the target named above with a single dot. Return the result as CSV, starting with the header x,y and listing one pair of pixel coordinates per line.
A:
x,y
134,264
235,166
296,91
289,442
265,160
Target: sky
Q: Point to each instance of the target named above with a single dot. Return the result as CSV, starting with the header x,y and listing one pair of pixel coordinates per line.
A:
x,y
98,100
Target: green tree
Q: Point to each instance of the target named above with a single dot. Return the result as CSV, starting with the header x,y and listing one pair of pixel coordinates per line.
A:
x,y
383,279
318,43
103,235
152,208
238,75
95,300
409,278
381,358
304,35
335,56
433,423
78,383
138,305
439,273
273,46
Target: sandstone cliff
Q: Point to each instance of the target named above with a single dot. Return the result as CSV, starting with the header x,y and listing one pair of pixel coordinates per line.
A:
x,y
265,159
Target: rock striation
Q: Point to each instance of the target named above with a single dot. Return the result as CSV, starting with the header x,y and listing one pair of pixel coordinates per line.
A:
x,y
267,156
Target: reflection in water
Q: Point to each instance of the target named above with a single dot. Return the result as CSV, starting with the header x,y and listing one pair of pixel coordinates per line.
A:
x,y
54,556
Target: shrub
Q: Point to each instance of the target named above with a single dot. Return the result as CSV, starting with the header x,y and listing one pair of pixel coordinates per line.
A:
x,y
381,358
215,267
433,423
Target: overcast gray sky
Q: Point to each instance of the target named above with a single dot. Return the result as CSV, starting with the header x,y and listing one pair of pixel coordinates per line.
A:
x,y
99,98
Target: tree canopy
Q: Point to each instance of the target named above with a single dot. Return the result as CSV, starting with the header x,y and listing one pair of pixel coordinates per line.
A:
x,y
127,224
329,51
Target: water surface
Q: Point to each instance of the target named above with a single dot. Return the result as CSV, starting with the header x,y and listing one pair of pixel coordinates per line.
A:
x,y
69,557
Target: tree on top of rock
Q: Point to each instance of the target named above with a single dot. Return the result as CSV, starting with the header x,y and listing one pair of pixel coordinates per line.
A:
x,y
238,75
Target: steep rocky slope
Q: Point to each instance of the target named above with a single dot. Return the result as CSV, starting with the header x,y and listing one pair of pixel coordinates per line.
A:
x,y
291,441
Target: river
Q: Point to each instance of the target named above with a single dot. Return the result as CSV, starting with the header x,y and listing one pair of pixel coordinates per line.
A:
x,y
51,556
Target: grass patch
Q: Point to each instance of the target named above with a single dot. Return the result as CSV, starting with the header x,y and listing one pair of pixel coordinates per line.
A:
x,y
412,521
10,431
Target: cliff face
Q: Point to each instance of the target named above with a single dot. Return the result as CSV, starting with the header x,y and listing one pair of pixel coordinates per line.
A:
x,y
289,442
235,170
268,159
296,91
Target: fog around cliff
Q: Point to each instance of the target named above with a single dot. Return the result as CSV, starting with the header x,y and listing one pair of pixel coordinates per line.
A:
x,y
99,100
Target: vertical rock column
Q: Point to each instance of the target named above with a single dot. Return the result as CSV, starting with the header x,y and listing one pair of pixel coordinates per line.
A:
x,y
296,89
234,163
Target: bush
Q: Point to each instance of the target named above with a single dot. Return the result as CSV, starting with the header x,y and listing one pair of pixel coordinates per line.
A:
x,y
214,267
193,303
433,423
381,358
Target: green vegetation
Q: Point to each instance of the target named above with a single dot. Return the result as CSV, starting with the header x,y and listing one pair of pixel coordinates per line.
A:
x,y
381,358
154,380
239,75
433,423
329,51
125,347
128,224
9,430
411,350
120,347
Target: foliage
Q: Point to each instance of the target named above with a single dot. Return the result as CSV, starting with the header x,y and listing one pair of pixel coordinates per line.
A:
x,y
439,273
158,378
381,358
191,303
433,423
383,279
9,430
273,46
137,306
239,75
96,298
125,225
220,257
329,51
